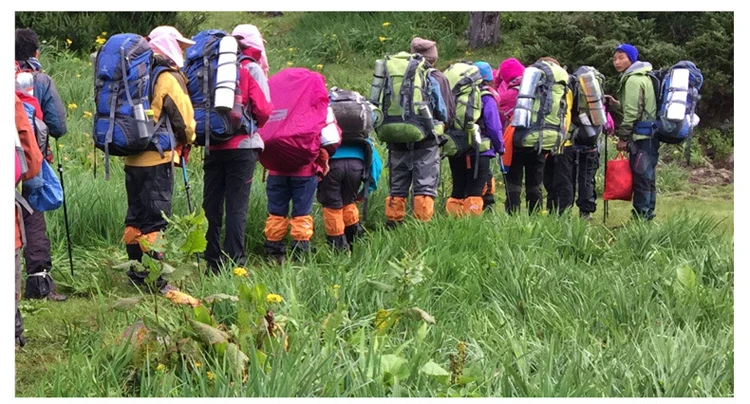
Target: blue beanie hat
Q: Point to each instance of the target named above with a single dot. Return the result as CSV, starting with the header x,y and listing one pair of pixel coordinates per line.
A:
x,y
485,70
629,50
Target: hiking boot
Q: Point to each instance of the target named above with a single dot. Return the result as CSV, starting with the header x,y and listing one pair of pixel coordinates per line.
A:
x,y
391,225
20,341
277,259
586,216
300,248
56,297
338,243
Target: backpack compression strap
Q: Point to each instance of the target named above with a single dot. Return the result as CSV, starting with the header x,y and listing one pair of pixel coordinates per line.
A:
x,y
407,89
545,101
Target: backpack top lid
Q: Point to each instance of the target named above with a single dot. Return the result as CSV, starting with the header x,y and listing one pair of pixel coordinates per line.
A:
x,y
109,58
202,39
300,100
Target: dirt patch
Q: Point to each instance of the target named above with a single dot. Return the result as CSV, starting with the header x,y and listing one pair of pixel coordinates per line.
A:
x,y
711,176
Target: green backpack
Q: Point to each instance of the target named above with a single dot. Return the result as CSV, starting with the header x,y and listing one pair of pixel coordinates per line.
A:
x,y
466,85
550,110
584,91
406,88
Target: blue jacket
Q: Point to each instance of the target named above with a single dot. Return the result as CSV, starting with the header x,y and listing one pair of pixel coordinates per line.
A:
x,y
49,99
356,152
440,111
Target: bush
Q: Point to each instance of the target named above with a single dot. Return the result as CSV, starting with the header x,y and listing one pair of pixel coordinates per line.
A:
x,y
80,30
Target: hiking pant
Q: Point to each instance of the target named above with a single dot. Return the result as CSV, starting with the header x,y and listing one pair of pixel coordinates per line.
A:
x,y
149,192
36,253
227,178
19,319
644,154
281,190
338,192
531,162
558,180
418,169
584,170
466,197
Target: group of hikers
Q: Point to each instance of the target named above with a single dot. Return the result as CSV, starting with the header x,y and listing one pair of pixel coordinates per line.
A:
x,y
157,95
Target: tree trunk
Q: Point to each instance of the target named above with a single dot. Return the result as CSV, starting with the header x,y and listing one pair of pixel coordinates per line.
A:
x,y
484,29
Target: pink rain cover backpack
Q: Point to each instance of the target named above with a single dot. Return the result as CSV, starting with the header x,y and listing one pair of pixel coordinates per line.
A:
x,y
292,133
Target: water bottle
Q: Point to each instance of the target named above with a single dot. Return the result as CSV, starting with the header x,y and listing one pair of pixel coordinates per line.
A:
x,y
139,113
378,81
586,123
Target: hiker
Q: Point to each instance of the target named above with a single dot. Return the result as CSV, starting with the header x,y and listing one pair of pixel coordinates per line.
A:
x,y
229,167
416,165
469,181
635,102
339,191
39,282
510,72
488,192
28,164
296,157
149,177
529,148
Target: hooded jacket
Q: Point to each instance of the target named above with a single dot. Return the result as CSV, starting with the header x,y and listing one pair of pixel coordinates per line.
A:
x,y
635,92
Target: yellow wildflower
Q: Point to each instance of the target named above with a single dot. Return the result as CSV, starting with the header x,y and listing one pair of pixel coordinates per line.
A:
x,y
90,63
336,287
545,213
274,298
160,367
240,272
383,39
291,49
100,41
386,24
319,67
104,33
197,364
210,376
468,53
68,41
78,76
72,106
87,114
289,63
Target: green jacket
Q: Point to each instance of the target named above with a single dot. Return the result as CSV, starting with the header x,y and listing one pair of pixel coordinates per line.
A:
x,y
635,92
553,119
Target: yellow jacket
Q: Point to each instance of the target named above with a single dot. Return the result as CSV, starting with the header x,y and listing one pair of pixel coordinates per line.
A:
x,y
171,98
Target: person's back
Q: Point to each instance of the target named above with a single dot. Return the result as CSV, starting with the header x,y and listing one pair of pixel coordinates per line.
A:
x,y
510,72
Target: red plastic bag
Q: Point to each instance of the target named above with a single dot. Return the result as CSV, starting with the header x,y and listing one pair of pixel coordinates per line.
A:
x,y
618,183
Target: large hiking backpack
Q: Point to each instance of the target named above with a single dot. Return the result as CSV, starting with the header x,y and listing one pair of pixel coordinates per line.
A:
x,y
586,134
465,81
671,127
543,103
36,119
353,114
405,89
201,63
292,133
124,78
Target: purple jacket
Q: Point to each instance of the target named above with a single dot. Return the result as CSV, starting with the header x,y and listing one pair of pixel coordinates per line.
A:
x,y
493,127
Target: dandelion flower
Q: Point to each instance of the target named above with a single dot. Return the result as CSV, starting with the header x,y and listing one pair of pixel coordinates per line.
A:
x,y
291,49
274,298
240,272
100,41
87,114
160,367
72,106
382,39
545,213
78,75
210,376
319,67
289,63
386,24
197,364
104,33
68,41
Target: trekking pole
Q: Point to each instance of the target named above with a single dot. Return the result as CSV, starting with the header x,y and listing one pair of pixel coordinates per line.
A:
x,y
606,157
65,206
504,174
187,195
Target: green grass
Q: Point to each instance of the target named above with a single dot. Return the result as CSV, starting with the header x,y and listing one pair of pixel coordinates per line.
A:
x,y
546,306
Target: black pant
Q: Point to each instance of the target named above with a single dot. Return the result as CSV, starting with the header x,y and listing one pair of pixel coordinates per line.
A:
x,y
462,175
36,253
149,192
584,170
340,187
558,180
531,162
644,155
227,178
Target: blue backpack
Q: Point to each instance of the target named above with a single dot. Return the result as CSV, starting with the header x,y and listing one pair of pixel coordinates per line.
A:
x,y
200,67
673,131
124,78
45,190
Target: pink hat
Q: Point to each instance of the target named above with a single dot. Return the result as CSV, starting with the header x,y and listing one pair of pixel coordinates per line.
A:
x,y
249,36
169,42
510,69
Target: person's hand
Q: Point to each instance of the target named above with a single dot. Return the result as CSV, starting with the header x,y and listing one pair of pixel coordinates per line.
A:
x,y
622,145
611,102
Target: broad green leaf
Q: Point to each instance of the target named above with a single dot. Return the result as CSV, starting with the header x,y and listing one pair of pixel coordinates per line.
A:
x,y
178,274
127,303
202,315
166,269
422,332
437,372
220,296
236,358
195,242
395,366
464,379
207,334
380,285
686,276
